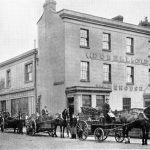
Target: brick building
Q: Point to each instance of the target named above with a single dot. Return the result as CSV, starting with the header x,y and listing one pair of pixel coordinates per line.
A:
x,y
18,84
85,58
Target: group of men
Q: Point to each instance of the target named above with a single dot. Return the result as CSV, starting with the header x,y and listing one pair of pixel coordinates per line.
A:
x,y
73,118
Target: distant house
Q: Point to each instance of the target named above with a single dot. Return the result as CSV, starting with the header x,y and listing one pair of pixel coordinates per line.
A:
x,y
17,84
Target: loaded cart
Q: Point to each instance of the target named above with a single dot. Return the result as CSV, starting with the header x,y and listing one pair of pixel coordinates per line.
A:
x,y
92,123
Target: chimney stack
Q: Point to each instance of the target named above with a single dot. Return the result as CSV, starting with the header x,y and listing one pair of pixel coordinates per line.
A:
x,y
50,5
118,18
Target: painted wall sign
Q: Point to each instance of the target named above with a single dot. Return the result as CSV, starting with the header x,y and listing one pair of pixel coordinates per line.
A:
x,y
115,58
116,87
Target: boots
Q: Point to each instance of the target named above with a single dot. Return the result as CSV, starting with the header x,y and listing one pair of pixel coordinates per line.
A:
x,y
73,136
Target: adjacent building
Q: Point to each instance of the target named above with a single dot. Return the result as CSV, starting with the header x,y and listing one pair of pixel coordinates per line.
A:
x,y
18,84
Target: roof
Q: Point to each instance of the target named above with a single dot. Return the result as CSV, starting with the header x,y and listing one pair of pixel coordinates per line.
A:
x,y
19,57
69,14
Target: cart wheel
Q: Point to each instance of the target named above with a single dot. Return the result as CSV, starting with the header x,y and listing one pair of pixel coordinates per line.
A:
x,y
30,129
119,136
51,133
99,134
2,128
106,132
33,132
82,130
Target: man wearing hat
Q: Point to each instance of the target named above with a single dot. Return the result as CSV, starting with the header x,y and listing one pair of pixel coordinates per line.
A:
x,y
106,109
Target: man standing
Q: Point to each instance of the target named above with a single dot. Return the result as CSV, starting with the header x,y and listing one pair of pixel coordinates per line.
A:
x,y
106,109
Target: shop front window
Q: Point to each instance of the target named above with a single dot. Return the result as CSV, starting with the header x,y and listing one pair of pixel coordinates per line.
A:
x,y
86,101
100,100
3,106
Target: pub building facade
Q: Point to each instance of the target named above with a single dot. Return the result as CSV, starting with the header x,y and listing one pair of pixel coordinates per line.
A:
x,y
84,58
18,84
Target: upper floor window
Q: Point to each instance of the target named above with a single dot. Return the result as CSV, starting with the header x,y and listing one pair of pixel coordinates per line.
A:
x,y
130,75
28,72
107,72
86,101
129,45
84,38
8,78
84,73
106,41
126,103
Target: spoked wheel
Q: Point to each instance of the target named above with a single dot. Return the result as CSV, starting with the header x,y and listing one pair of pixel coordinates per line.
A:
x,y
82,130
31,128
119,136
106,132
99,134
2,128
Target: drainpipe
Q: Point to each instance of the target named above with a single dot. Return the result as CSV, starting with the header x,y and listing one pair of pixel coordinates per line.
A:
x,y
35,79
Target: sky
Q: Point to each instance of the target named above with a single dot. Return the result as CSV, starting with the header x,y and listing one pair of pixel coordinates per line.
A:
x,y
18,19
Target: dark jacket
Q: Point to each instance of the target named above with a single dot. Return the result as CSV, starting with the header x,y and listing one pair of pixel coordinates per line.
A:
x,y
106,108
73,122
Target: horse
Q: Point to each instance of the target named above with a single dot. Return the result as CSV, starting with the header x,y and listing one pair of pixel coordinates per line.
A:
x,y
10,122
62,120
135,120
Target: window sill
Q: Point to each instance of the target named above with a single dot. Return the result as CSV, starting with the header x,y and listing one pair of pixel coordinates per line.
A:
x,y
84,80
28,81
86,47
107,82
106,50
130,53
129,83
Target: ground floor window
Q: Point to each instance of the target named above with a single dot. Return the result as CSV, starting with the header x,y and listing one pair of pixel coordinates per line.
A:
x,y
3,105
86,101
147,102
126,103
100,100
19,105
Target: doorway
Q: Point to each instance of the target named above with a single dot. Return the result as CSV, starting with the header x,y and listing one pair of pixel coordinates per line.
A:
x,y
71,105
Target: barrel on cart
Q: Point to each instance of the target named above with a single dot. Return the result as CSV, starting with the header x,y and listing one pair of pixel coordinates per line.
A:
x,y
92,123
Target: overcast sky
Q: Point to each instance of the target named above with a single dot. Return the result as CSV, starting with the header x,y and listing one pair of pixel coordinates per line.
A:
x,y
18,19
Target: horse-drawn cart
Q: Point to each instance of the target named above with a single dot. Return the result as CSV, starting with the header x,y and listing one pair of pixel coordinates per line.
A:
x,y
92,123
39,124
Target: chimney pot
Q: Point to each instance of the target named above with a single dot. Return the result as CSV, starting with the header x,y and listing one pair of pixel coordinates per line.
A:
x,y
118,18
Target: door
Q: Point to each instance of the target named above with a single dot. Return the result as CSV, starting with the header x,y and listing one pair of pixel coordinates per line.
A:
x,y
71,105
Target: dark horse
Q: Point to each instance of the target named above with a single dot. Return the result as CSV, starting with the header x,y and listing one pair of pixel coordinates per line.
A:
x,y
135,120
142,124
8,122
62,120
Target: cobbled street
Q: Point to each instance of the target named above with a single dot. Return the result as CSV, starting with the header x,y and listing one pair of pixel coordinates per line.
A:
x,y
41,141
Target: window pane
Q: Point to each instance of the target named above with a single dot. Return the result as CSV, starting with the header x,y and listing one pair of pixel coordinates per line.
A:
x,y
86,100
129,45
106,41
99,100
84,71
126,103
130,74
28,72
84,37
107,72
